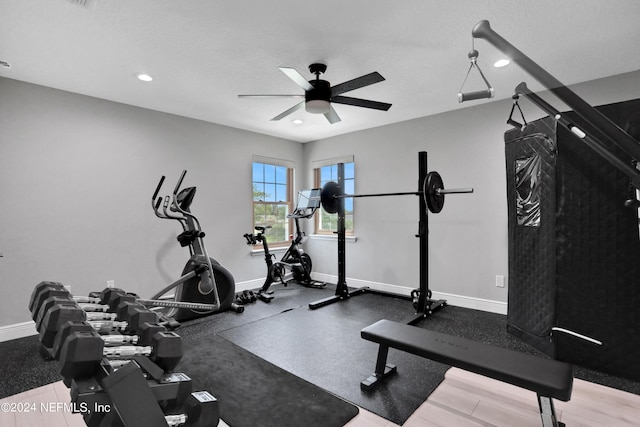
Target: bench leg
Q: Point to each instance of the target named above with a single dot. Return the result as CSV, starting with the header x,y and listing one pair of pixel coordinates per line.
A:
x,y
383,369
548,412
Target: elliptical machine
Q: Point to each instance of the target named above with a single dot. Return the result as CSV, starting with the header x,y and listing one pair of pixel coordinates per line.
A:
x,y
198,291
294,259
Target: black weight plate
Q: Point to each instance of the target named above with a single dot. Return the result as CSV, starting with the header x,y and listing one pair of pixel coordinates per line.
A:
x,y
435,200
328,197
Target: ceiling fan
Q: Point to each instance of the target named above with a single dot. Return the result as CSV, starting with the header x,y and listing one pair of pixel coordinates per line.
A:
x,y
319,94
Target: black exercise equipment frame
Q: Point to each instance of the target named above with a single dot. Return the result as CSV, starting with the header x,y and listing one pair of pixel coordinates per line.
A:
x,y
294,257
425,305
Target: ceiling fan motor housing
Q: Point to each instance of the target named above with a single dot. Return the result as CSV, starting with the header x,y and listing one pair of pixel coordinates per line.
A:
x,y
317,100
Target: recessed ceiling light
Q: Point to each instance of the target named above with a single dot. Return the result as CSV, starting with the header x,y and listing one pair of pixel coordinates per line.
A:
x,y
297,121
501,63
144,77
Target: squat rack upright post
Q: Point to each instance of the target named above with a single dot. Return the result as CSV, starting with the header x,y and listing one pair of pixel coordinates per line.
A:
x,y
425,305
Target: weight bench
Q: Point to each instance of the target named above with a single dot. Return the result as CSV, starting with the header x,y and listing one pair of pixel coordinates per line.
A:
x,y
550,379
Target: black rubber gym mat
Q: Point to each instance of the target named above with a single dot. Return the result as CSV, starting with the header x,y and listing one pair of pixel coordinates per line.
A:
x,y
324,347
253,392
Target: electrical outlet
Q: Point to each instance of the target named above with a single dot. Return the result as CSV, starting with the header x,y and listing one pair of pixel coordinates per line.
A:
x,y
111,283
500,281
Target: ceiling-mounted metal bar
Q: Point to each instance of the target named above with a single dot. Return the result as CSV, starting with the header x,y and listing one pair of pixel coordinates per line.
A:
x,y
589,140
589,114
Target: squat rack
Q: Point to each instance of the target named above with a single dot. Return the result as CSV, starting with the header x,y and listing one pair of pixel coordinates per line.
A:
x,y
432,192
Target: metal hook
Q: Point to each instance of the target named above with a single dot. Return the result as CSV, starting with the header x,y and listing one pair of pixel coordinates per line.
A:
x,y
510,120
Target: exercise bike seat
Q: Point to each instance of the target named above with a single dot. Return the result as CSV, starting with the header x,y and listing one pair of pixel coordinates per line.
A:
x,y
261,228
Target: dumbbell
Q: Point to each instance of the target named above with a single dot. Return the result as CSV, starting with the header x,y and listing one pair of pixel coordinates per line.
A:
x,y
134,314
98,311
81,353
103,301
200,409
169,389
108,299
112,297
47,295
56,289
45,290
140,334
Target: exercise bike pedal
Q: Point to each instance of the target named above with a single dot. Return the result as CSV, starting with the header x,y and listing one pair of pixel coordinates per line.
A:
x,y
316,285
266,296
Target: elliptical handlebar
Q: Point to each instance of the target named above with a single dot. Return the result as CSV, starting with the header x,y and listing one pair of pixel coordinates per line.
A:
x,y
155,203
171,203
179,184
175,206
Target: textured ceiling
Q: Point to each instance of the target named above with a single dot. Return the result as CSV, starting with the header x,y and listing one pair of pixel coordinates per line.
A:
x,y
203,53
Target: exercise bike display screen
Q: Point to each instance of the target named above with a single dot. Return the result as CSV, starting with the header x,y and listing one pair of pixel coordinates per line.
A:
x,y
308,199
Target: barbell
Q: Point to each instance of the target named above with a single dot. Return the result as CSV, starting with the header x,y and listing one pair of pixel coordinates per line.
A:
x,y
433,192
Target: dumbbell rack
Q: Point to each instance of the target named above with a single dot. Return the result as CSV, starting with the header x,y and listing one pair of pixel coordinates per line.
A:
x,y
136,388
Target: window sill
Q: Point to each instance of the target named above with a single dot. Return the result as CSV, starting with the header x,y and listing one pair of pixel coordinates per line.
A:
x,y
260,252
332,237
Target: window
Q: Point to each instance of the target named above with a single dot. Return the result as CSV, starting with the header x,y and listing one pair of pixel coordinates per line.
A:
x,y
271,180
328,223
528,191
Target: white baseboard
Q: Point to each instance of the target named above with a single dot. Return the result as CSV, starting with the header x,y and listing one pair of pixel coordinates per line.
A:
x,y
18,330
249,284
25,329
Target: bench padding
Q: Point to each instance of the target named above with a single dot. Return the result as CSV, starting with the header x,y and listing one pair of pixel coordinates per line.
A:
x,y
546,377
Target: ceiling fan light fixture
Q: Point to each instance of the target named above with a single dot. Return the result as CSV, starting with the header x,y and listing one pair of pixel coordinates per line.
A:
x,y
317,106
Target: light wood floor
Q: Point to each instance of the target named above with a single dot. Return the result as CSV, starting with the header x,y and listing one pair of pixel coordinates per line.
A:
x,y
462,399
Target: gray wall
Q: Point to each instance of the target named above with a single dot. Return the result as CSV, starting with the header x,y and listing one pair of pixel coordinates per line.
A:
x,y
468,239
76,179
77,174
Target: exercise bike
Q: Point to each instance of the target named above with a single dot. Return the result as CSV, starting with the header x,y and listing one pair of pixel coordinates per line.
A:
x,y
205,287
294,259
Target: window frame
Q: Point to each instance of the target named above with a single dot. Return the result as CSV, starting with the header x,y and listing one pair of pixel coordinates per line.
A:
x,y
349,189
288,202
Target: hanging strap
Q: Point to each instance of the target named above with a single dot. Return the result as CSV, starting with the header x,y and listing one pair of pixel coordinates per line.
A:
x,y
510,120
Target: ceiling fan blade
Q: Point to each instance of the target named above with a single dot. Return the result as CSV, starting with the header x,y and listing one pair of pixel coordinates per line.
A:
x,y
332,116
294,75
357,83
357,102
270,96
289,111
